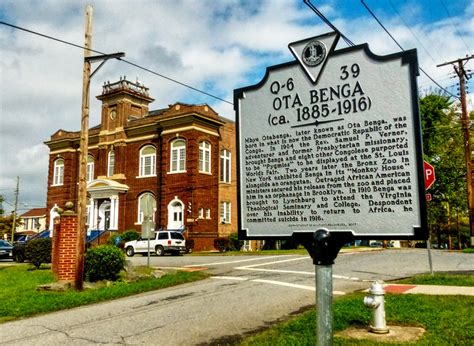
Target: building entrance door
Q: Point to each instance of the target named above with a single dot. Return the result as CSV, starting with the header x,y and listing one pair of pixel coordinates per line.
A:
x,y
175,215
104,215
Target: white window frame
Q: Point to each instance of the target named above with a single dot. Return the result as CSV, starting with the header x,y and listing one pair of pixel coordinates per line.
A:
x,y
139,211
111,163
178,156
208,213
201,213
205,157
90,168
226,171
58,174
225,212
147,162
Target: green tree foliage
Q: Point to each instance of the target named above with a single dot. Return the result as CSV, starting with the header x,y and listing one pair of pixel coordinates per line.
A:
x,y
6,223
443,148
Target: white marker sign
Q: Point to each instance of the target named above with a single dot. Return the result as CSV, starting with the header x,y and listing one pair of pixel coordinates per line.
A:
x,y
340,149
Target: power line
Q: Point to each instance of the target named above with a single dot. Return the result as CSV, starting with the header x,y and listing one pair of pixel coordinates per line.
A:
x,y
124,60
398,44
328,22
454,27
411,31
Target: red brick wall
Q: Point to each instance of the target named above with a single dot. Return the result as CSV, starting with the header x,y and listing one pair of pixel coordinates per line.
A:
x,y
65,248
68,191
199,189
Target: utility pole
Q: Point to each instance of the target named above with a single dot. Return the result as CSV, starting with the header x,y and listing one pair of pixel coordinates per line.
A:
x,y
84,144
83,147
465,122
17,191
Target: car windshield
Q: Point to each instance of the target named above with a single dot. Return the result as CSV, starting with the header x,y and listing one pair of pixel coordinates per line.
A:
x,y
4,243
176,235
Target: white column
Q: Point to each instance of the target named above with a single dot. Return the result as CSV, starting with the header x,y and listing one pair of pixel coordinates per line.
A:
x,y
90,215
114,204
95,213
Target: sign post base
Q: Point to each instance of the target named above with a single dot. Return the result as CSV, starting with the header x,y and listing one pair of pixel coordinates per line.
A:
x,y
323,248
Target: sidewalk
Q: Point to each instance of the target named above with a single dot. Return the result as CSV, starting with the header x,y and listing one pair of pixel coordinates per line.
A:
x,y
429,289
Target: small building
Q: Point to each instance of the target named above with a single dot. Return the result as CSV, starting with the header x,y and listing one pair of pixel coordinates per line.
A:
x,y
174,167
32,222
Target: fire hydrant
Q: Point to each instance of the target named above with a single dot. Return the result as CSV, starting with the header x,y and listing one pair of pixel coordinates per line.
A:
x,y
376,302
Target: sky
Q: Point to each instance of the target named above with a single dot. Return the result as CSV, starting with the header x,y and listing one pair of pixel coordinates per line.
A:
x,y
212,45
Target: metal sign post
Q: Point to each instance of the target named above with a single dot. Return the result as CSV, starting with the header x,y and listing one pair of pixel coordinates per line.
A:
x,y
323,247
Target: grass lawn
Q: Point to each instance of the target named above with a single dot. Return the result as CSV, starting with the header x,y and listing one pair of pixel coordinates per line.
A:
x,y
440,279
448,320
19,297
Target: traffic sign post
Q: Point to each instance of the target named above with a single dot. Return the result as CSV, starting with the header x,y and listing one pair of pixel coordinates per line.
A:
x,y
329,150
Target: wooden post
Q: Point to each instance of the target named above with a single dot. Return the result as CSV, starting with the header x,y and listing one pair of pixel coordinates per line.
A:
x,y
83,144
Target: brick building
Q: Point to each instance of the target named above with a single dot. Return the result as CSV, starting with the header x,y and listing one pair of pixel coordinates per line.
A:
x,y
173,166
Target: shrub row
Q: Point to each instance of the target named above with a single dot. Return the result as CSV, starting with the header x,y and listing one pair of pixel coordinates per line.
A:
x,y
100,263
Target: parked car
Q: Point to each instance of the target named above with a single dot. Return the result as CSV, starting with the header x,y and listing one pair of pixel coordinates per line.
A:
x,y
165,241
19,247
6,249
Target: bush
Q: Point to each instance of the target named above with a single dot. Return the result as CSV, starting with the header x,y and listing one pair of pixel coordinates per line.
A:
x,y
119,239
129,234
103,263
235,243
222,244
38,251
115,239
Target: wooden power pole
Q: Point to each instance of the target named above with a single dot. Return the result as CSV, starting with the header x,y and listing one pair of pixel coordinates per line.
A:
x,y
83,147
84,143
466,123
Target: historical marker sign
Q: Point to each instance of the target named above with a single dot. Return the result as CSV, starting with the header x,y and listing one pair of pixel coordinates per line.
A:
x,y
335,147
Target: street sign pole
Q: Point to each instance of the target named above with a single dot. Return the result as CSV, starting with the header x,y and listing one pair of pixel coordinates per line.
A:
x,y
324,313
323,277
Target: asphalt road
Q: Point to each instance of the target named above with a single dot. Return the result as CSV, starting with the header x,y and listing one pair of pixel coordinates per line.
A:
x,y
244,294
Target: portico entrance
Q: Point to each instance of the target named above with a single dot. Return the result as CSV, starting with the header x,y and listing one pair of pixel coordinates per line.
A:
x,y
103,205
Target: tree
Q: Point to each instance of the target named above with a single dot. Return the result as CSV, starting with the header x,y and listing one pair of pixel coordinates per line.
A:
x,y
6,223
443,148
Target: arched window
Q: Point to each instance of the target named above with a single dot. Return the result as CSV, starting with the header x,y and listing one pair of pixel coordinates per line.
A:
x,y
146,207
58,175
90,168
225,166
148,161
204,157
111,163
178,156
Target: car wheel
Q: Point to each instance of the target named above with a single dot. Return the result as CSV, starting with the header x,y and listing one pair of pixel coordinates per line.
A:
x,y
19,258
189,250
159,250
130,252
